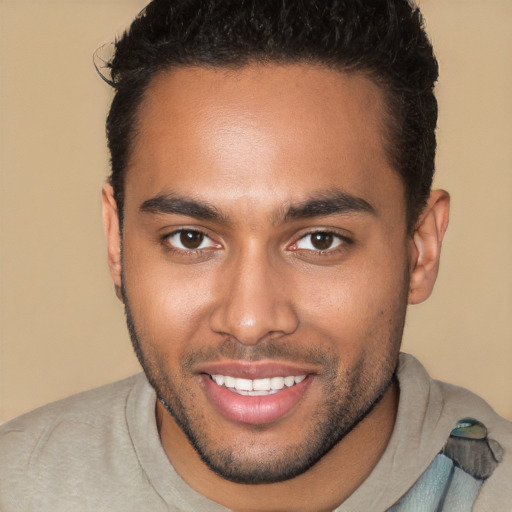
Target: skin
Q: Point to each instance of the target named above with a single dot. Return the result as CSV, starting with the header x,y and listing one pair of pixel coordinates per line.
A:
x,y
255,146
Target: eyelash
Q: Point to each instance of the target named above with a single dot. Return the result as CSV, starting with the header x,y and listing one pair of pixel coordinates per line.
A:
x,y
343,241
165,240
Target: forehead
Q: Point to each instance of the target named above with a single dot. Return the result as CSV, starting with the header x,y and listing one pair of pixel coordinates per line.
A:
x,y
294,130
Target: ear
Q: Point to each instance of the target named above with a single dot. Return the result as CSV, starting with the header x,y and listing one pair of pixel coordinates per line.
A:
x,y
113,237
425,248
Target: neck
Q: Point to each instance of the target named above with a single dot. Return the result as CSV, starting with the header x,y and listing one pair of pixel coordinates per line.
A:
x,y
351,460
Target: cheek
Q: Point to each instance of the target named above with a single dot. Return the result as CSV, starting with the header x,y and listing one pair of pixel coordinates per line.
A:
x,y
168,303
356,305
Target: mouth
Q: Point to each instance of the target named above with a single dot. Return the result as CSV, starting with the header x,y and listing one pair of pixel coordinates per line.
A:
x,y
255,394
257,387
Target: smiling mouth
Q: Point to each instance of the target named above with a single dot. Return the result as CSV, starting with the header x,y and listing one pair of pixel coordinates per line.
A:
x,y
257,387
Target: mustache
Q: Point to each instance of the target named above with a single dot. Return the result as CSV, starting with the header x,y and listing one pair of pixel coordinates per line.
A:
x,y
272,349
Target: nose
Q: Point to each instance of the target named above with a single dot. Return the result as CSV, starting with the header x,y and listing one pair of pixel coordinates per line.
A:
x,y
253,303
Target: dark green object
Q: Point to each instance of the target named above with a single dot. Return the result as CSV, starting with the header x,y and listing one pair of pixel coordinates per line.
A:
x,y
469,428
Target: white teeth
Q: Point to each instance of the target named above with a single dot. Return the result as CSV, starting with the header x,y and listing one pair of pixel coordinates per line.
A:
x,y
257,387
289,381
277,382
261,384
256,393
229,382
243,384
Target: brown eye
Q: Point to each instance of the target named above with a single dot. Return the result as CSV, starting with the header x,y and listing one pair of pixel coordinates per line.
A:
x,y
191,239
322,241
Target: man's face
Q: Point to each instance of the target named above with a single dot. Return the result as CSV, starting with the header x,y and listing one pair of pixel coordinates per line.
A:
x,y
265,262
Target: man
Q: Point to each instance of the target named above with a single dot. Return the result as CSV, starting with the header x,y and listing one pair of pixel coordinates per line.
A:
x,y
268,218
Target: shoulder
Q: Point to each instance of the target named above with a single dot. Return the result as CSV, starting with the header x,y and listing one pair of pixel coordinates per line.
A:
x,y
65,442
446,406
90,406
440,403
448,401
462,403
496,491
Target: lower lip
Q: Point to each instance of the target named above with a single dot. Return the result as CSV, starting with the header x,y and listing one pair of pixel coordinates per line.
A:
x,y
254,410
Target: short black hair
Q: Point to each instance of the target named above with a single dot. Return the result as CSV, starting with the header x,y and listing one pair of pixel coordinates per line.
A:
x,y
385,39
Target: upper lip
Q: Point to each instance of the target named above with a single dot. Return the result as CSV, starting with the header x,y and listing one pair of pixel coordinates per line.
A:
x,y
254,369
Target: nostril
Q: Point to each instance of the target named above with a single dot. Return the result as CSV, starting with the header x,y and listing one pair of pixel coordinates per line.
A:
x,y
252,310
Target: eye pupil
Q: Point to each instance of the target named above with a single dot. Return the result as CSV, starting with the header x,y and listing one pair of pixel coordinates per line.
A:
x,y
322,241
191,239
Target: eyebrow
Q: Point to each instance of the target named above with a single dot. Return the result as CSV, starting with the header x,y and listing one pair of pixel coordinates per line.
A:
x,y
325,204
329,203
169,204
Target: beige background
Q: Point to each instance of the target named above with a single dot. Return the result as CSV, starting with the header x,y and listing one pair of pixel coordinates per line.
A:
x,y
62,330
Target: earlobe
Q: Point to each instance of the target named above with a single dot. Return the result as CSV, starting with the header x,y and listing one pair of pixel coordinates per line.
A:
x,y
113,237
426,246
